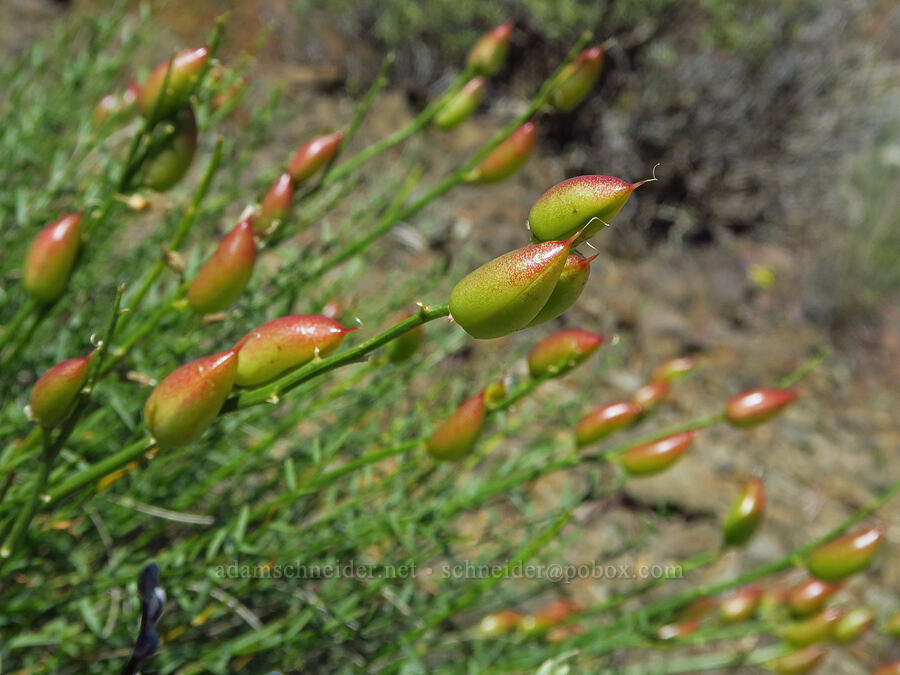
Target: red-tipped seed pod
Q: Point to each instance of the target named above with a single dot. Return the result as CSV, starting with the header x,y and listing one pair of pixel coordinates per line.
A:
x,y
185,403
50,259
755,406
562,351
569,286
798,662
508,157
657,456
155,104
676,631
816,628
284,344
456,437
402,348
740,605
853,624
499,623
567,207
116,105
168,165
55,391
845,556
551,614
461,105
577,79
673,369
810,596
223,277
649,396
489,53
605,420
313,156
276,206
745,514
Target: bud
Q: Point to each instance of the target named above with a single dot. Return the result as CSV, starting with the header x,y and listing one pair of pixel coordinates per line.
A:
x,y
892,668
562,351
844,556
461,105
853,624
817,628
656,456
755,406
456,437
550,615
505,294
740,605
605,420
567,207
508,157
490,51
55,391
223,277
277,204
185,403
165,167
568,288
284,344
51,256
494,625
186,68
673,369
314,156
403,347
577,79
810,596
649,396
745,514
798,662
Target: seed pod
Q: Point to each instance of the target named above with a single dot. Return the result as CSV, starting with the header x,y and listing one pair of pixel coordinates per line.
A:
x,y
165,167
673,369
116,105
676,631
568,288
892,625
494,625
314,156
755,406
456,437
605,420
844,556
563,633
892,668
657,456
276,206
562,351
553,613
403,347
577,79
284,344
185,403
461,105
186,68
567,207
745,514
816,628
223,277
490,51
798,662
853,624
51,256
740,605
494,393
810,596
508,157
54,394
649,396
505,294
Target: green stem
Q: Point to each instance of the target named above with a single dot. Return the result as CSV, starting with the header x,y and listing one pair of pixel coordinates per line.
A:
x,y
23,520
13,327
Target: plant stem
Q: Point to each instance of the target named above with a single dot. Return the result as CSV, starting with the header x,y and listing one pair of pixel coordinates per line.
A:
x,y
23,520
12,328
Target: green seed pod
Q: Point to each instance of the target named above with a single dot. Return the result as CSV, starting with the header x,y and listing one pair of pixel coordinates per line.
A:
x,y
165,167
605,420
745,514
314,156
649,396
223,277
755,406
810,596
798,662
562,351
285,344
461,105
508,157
740,605
489,53
656,456
499,623
588,202
673,369
186,68
278,203
456,437
54,394
185,403
845,556
505,294
50,259
853,624
402,348
816,628
577,79
568,288
892,668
